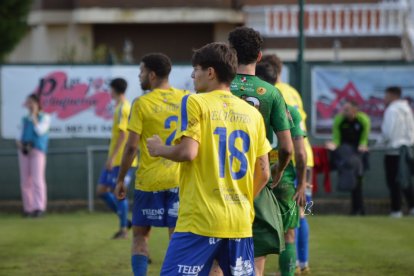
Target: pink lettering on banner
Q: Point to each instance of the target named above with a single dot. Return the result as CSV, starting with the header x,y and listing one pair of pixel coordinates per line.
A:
x,y
373,106
69,98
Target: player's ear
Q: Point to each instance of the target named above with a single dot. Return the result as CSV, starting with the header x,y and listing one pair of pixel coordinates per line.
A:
x,y
152,75
211,73
259,57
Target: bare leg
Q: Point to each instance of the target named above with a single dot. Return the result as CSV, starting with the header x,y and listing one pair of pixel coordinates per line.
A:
x,y
259,264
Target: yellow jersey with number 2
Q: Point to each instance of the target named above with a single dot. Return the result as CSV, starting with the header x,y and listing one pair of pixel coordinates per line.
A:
x,y
216,188
156,113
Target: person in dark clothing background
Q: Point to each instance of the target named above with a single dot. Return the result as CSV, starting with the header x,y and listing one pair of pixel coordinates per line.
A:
x,y
351,129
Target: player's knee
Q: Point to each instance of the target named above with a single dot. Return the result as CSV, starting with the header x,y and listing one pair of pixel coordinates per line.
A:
x,y
290,235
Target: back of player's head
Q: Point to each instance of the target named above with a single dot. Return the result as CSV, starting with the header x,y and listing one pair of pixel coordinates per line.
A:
x,y
220,57
158,63
274,61
247,42
118,85
394,90
266,72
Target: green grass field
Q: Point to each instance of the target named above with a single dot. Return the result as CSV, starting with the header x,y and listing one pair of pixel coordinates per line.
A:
x,y
79,244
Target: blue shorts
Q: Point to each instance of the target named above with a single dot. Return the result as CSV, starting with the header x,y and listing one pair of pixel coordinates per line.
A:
x,y
108,177
158,209
191,254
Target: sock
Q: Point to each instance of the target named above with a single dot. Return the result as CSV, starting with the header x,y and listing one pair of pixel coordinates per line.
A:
x,y
287,260
123,213
303,241
139,265
110,201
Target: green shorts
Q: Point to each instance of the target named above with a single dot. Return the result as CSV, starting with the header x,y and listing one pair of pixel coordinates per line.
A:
x,y
289,210
268,234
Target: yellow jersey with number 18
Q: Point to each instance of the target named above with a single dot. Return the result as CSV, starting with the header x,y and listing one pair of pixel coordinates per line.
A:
x,y
120,123
156,113
216,188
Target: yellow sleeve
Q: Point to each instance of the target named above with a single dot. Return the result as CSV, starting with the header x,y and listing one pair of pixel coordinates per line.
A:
x,y
263,144
190,117
123,117
135,117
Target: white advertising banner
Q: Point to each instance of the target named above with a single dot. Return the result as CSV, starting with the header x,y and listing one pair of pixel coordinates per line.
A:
x,y
76,97
364,85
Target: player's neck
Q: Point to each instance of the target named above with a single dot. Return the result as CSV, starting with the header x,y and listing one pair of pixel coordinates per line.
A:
x,y
161,84
219,86
120,99
249,69
279,79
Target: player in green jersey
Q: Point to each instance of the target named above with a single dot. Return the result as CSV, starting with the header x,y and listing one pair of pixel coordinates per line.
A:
x,y
267,226
289,197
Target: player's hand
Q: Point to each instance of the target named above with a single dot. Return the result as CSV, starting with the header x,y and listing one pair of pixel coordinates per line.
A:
x,y
154,145
300,197
277,176
362,148
108,164
19,145
120,190
330,145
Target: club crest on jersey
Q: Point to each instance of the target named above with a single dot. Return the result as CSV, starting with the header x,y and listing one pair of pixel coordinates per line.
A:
x,y
243,79
261,90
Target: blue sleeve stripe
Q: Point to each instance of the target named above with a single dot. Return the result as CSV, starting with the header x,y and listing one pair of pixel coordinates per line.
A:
x,y
184,115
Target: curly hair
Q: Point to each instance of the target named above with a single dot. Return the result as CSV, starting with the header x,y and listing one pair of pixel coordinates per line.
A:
x,y
247,42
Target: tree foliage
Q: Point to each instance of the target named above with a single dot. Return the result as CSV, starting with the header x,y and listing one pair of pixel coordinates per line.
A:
x,y
13,24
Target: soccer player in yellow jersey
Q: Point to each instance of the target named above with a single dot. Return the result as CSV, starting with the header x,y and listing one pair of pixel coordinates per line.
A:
x,y
293,98
109,174
222,146
156,184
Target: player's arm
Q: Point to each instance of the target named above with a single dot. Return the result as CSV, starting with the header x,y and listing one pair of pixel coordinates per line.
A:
x,y
301,159
261,174
285,148
366,129
131,147
185,150
118,145
281,123
336,133
130,151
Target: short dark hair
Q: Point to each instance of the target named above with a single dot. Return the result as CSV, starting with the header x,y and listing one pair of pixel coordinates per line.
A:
x,y
119,85
394,90
36,98
247,42
220,57
266,72
274,61
158,63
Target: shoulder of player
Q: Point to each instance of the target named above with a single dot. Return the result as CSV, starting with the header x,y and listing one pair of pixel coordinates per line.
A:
x,y
339,118
362,116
